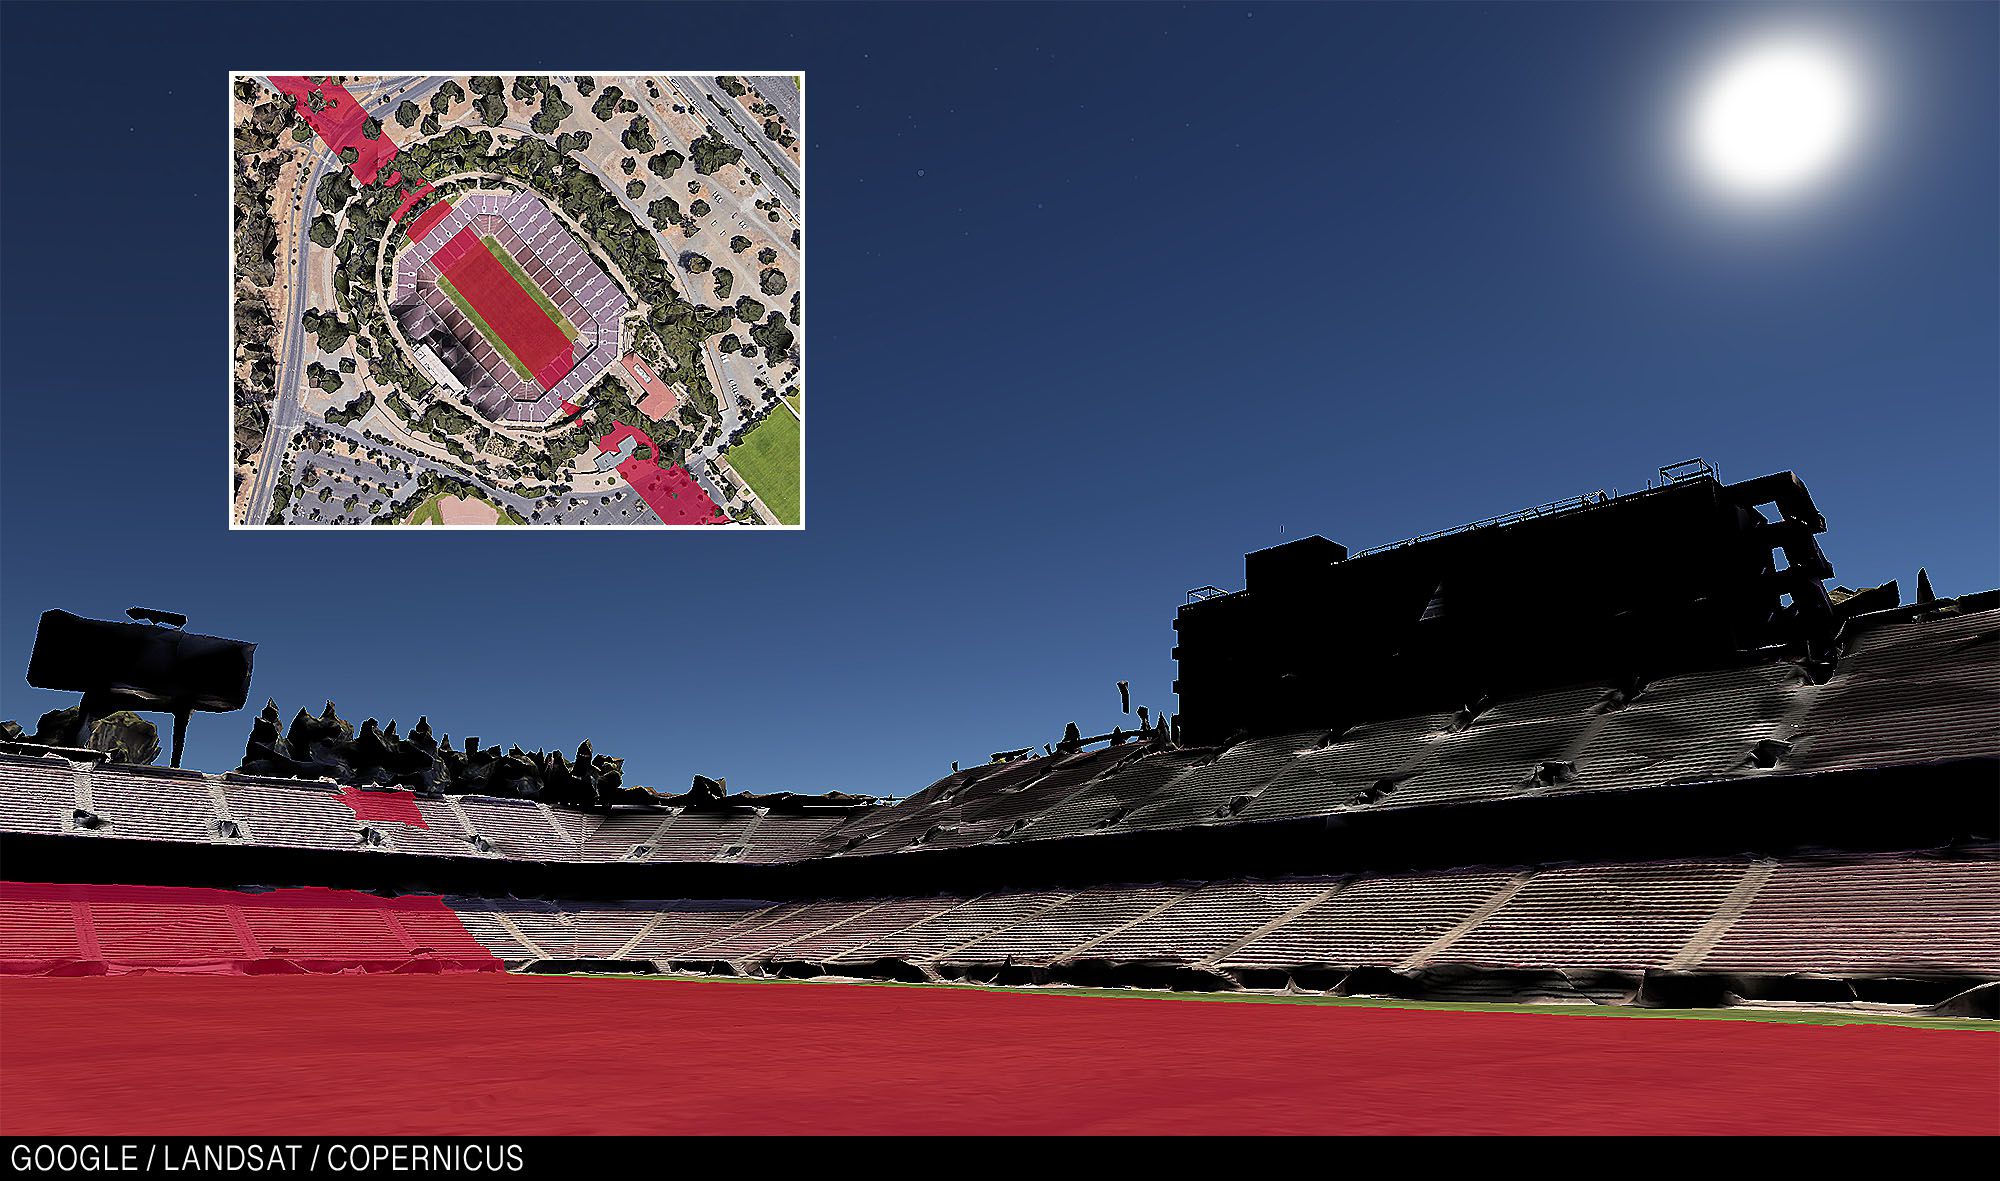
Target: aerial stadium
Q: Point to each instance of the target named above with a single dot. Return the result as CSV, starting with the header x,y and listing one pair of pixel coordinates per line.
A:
x,y
1415,816
503,306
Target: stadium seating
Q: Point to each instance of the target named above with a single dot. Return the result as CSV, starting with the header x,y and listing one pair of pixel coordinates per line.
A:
x,y
1908,691
686,925
625,833
38,928
1611,917
1103,803
1206,922
704,836
1911,915
152,805
952,929
36,795
303,816
780,929
1887,915
46,795
884,917
1373,922
524,829
1350,769
1916,916
92,929
1219,790
1057,932
782,837
1910,687
1501,752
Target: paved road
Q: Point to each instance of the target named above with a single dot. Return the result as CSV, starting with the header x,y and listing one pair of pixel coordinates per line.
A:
x,y
713,103
290,408
780,91
575,507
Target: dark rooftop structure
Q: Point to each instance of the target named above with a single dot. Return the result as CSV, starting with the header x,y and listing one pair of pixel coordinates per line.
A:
x,y
1689,573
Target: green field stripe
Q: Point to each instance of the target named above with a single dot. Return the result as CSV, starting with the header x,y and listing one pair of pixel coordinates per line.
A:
x,y
768,461
486,330
1137,995
427,513
533,289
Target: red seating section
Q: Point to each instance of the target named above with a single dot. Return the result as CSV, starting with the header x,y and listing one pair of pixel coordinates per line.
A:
x,y
78,929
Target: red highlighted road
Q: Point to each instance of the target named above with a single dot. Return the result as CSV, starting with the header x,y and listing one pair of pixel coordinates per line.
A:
x,y
492,1054
670,492
507,309
339,122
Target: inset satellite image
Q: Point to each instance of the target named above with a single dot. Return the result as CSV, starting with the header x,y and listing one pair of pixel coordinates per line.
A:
x,y
486,300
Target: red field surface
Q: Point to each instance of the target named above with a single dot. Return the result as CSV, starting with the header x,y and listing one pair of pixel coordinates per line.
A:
x,y
493,1054
505,307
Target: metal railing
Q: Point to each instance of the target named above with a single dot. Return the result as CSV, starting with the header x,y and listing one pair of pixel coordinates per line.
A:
x,y
1686,471
1551,509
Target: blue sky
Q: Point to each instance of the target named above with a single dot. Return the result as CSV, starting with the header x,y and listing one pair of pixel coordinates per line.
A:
x,y
1099,299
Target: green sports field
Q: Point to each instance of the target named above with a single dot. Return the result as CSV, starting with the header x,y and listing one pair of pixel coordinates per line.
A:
x,y
1779,1016
528,285
769,459
431,512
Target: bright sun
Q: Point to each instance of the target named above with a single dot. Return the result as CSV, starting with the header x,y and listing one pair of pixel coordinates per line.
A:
x,y
1773,117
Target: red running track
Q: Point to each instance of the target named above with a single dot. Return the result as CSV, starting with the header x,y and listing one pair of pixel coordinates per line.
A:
x,y
508,309
494,1054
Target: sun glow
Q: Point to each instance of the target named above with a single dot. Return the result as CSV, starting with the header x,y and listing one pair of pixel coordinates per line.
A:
x,y
1773,117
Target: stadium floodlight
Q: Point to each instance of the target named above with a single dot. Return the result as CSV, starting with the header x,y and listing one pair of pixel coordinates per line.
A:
x,y
146,667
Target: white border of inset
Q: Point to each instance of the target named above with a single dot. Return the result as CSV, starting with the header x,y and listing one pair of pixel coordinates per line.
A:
x,y
229,301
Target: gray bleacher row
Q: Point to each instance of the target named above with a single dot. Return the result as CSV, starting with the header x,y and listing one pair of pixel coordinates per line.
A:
x,y
1913,915
1915,690
50,795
